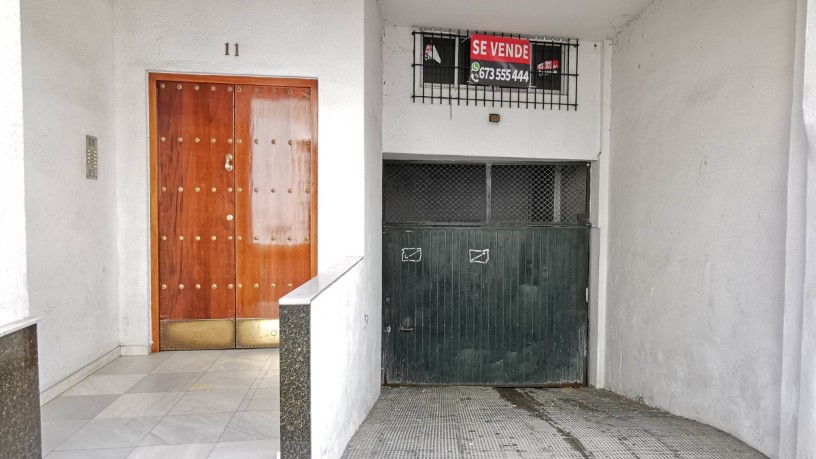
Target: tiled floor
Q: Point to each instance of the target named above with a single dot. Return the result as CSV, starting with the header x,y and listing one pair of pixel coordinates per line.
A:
x,y
179,405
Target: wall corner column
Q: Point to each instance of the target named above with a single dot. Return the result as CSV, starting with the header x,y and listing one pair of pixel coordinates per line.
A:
x,y
13,278
798,378
806,447
600,230
20,434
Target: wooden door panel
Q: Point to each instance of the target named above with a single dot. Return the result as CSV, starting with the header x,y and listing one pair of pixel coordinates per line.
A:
x,y
195,201
274,149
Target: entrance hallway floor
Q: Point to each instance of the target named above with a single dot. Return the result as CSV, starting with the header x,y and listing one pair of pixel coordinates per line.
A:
x,y
179,405
476,422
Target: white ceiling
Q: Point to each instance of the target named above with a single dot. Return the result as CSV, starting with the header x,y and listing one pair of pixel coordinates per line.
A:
x,y
584,19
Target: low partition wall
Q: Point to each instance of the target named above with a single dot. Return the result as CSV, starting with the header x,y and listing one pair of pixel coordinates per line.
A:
x,y
329,362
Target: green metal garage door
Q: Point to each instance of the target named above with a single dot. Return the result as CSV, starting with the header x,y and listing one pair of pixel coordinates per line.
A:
x,y
492,289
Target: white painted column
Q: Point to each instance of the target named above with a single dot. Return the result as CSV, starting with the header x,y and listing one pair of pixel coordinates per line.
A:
x,y
798,379
807,385
13,285
599,216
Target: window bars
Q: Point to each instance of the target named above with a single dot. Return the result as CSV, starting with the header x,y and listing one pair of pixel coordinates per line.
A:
x,y
441,72
509,194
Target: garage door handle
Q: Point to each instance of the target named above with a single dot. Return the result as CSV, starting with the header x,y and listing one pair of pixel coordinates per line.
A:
x,y
406,329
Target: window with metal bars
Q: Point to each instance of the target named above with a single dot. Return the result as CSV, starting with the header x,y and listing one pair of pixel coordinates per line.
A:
x,y
438,60
482,194
546,66
441,73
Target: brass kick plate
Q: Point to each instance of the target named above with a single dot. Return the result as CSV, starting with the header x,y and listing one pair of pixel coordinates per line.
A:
x,y
183,335
255,333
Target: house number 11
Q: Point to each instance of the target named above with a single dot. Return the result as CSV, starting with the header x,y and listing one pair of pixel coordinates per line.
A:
x,y
227,49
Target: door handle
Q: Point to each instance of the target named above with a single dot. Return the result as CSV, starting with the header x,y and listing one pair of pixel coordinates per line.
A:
x,y
406,329
228,162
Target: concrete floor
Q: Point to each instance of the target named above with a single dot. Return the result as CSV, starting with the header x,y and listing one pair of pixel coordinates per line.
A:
x,y
476,422
180,405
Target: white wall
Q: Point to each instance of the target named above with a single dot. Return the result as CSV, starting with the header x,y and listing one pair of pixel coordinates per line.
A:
x,y
798,423
13,294
68,86
346,320
368,314
796,255
342,389
701,97
320,39
434,129
373,198
599,235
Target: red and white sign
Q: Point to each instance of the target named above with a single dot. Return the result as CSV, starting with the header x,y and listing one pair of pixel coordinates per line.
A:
x,y
499,61
548,66
499,49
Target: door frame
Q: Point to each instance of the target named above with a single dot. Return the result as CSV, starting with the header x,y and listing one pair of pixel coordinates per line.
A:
x,y
152,79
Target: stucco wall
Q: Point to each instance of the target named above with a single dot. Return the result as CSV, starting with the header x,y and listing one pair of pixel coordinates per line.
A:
x,y
373,199
346,319
599,235
800,431
13,294
342,390
701,97
68,86
434,129
369,316
793,354
320,39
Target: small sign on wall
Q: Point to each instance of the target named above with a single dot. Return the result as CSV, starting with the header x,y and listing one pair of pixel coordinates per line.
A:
x,y
499,61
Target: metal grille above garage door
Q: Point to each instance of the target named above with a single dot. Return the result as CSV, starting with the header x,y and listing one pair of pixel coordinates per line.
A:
x,y
484,194
485,274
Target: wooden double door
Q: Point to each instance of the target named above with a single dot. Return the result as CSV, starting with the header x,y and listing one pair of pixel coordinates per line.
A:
x,y
235,224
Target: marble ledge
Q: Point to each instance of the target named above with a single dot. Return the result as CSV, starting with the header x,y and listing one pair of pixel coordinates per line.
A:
x,y
18,325
306,293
